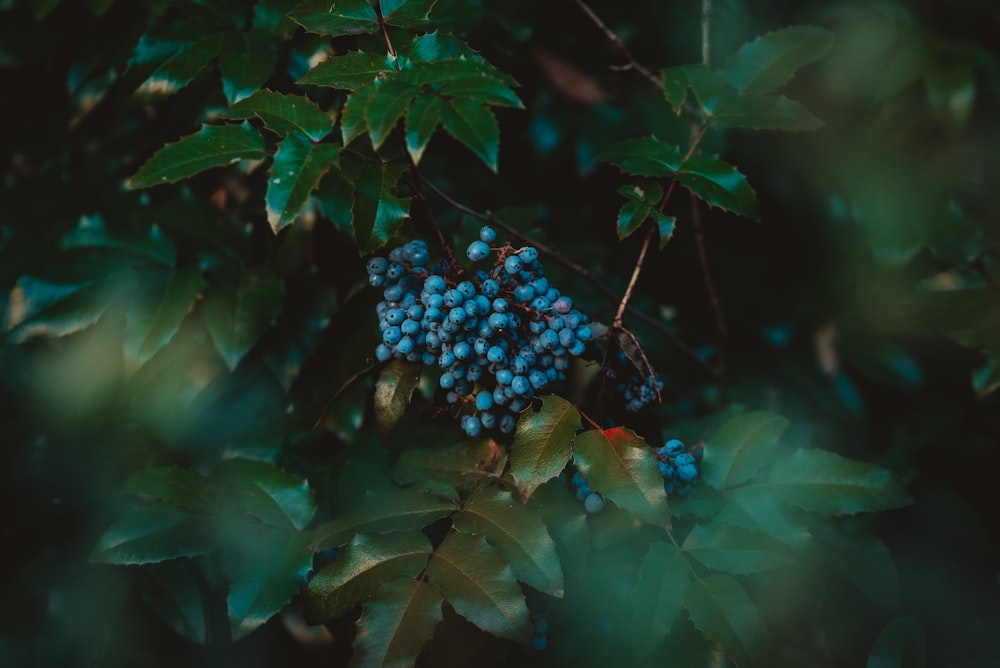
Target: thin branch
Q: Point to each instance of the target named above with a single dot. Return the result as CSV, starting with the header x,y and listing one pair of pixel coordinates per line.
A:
x,y
706,11
617,41
713,297
617,322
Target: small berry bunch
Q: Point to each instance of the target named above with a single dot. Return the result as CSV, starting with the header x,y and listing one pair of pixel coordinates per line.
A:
x,y
678,467
539,629
499,335
637,389
592,501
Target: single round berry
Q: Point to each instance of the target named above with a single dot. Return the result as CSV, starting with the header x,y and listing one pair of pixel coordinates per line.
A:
x,y
477,251
487,234
593,504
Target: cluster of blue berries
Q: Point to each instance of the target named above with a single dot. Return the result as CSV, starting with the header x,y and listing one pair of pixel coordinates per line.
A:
x,y
592,501
539,629
499,335
637,389
678,467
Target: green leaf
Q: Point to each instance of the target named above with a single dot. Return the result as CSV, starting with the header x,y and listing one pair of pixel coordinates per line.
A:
x,y
284,114
756,508
42,308
464,464
388,103
708,87
392,393
352,120
901,644
182,66
770,61
153,318
298,166
824,482
264,491
396,623
92,236
719,184
150,534
421,120
567,523
263,589
350,71
621,466
735,453
405,13
475,126
175,486
721,609
519,536
171,591
542,444
734,550
238,308
361,570
664,573
212,146
643,198
767,112
860,559
246,61
665,225
336,17
647,156
378,213
408,509
480,586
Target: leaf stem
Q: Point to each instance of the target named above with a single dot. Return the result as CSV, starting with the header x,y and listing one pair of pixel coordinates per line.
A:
x,y
617,41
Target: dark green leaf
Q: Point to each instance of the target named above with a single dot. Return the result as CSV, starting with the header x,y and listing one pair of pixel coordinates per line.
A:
x,y
298,166
643,198
721,609
518,534
212,146
396,623
756,508
150,534
149,248
378,213
862,560
646,157
352,120
264,491
172,593
658,598
708,87
475,126
734,550
824,482
392,392
542,443
175,486
718,184
41,308
350,71
621,466
336,17
238,308
735,453
246,61
182,66
153,318
567,523
421,120
409,509
263,589
767,112
284,114
768,62
404,13
434,47
388,103
480,586
463,464
901,644
360,571
665,225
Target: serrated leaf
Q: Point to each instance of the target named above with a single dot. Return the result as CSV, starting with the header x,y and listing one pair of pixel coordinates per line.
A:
x,y
766,112
41,308
393,389
718,183
756,508
643,198
360,571
246,61
404,13
298,166
262,590
480,586
352,120
153,319
734,550
708,87
173,485
621,466
336,17
396,623
567,523
150,534
238,308
518,534
148,248
262,490
722,611
463,465
408,509
647,156
901,644
824,482
284,114
211,146
421,120
735,453
542,443
768,62
378,213
435,47
665,225
389,101
350,71
664,573
474,125
182,66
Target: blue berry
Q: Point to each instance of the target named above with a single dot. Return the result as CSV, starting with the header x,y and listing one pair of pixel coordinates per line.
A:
x,y
593,504
478,250
487,234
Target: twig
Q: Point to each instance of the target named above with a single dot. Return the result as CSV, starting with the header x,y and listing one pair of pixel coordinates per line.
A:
x,y
706,10
623,304
617,41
